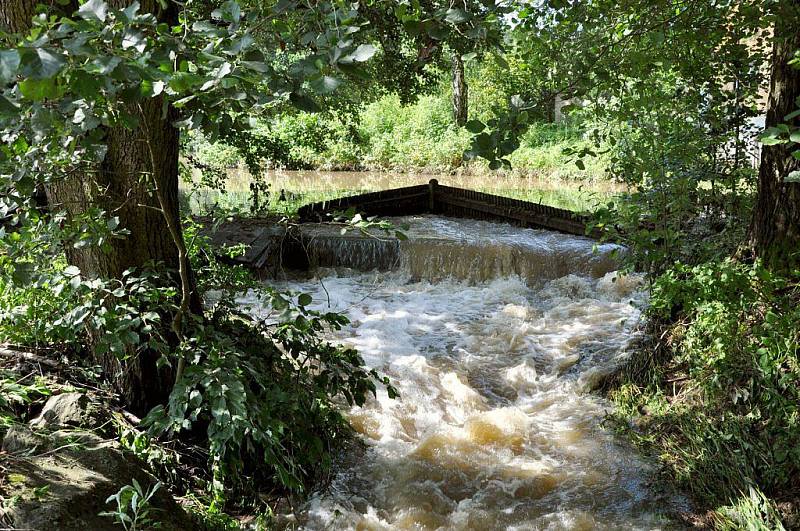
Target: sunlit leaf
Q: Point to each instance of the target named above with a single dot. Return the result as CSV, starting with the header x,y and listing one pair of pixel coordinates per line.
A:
x,y
94,10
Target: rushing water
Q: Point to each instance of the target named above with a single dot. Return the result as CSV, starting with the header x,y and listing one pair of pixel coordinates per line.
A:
x,y
493,335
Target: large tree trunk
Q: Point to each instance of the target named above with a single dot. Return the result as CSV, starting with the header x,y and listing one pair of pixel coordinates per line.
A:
x,y
124,186
460,91
775,227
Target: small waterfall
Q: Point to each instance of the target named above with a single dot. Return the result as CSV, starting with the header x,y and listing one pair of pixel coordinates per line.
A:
x,y
475,251
360,253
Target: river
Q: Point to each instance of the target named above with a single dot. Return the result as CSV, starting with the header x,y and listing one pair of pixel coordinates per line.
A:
x,y
494,336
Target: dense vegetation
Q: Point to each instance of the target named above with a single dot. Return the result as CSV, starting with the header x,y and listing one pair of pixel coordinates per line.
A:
x,y
387,135
105,105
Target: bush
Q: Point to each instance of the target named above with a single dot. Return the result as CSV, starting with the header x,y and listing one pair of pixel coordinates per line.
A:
x,y
723,410
421,135
388,135
259,398
264,391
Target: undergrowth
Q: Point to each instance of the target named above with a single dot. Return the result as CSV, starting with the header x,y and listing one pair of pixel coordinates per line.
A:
x,y
257,413
716,396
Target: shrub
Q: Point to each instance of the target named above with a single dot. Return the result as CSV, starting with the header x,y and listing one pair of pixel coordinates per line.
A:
x,y
724,411
264,391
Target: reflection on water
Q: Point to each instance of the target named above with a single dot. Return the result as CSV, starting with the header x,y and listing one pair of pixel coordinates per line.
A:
x,y
494,428
301,187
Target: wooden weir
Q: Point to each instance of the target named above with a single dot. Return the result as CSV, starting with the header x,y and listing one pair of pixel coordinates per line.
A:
x,y
273,247
434,198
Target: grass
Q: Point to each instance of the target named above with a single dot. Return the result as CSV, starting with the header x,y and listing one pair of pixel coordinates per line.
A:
x,y
715,395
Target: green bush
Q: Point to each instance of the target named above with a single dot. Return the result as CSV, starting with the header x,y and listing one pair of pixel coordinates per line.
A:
x,y
265,391
420,135
724,411
386,134
259,397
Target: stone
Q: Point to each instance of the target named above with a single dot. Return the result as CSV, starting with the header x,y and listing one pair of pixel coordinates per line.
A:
x,y
67,409
19,439
63,479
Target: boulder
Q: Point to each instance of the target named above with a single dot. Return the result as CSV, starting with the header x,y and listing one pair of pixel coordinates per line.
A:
x,y
60,481
68,409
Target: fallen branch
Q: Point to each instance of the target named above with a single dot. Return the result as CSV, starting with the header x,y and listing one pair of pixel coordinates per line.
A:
x,y
7,352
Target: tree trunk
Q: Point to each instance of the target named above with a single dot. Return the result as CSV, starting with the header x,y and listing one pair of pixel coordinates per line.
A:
x,y
775,227
460,91
124,186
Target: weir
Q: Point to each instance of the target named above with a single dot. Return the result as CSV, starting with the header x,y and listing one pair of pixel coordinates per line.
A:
x,y
435,198
436,247
273,249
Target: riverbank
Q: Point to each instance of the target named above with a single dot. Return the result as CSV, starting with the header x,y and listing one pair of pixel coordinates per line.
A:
x,y
714,394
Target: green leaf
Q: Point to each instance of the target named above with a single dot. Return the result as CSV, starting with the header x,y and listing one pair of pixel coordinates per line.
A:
x,y
770,137
457,16
133,39
437,32
94,10
795,137
40,63
363,53
324,84
303,102
771,140
183,81
9,63
475,126
792,115
38,89
257,66
7,106
579,163
304,299
793,177
106,65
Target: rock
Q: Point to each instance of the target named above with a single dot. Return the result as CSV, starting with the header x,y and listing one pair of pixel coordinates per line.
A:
x,y
64,479
20,439
67,409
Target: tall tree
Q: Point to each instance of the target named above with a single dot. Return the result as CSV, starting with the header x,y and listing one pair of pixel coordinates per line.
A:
x,y
460,91
137,182
775,227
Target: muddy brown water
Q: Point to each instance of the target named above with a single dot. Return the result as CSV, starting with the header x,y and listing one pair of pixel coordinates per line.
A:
x,y
494,336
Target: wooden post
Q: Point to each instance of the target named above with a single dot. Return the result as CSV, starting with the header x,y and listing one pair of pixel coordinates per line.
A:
x,y
432,195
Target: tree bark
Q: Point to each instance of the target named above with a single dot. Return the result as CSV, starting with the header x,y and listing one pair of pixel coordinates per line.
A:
x,y
775,226
124,186
460,91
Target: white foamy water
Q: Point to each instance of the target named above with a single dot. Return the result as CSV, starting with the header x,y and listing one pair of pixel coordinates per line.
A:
x,y
494,428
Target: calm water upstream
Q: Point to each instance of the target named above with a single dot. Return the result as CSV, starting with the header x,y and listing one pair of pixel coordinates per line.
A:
x,y
493,336
300,187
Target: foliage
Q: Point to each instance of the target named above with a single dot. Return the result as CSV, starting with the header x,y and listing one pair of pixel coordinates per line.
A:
x,y
16,394
265,391
722,408
753,511
387,135
60,307
133,511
